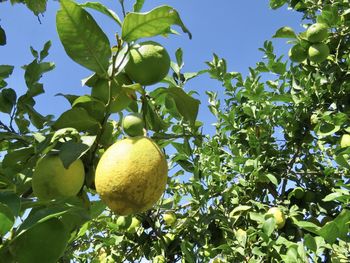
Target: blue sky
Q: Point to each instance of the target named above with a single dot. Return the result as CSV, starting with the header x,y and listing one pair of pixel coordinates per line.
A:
x,y
232,29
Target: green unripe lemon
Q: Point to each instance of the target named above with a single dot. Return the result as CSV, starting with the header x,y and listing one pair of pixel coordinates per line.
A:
x,y
133,124
44,242
149,63
318,52
52,180
317,33
345,141
278,215
131,175
135,224
299,193
297,53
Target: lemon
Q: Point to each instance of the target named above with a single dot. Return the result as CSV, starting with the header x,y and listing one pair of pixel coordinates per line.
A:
x,y
133,124
297,53
44,242
318,52
169,218
149,63
51,180
345,141
317,32
278,215
131,175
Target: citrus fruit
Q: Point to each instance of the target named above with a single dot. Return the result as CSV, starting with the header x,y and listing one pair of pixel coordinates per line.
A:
x,y
298,192
278,215
297,53
131,175
149,63
44,242
169,218
317,32
51,180
345,141
318,52
133,124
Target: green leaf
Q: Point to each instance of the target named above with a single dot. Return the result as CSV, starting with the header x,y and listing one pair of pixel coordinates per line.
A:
x,y
17,157
272,178
12,201
310,242
185,104
77,118
82,39
5,71
94,107
7,100
152,23
153,120
285,32
338,228
2,37
45,51
6,219
71,151
36,6
104,10
275,4
34,71
269,226
138,5
240,208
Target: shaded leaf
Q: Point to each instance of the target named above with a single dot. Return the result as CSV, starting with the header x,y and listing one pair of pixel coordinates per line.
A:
x,y
77,118
2,37
71,151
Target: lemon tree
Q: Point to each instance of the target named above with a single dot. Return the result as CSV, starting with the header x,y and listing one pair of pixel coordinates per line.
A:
x,y
268,183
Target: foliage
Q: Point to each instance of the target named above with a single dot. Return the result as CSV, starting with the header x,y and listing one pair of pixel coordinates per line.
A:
x,y
277,143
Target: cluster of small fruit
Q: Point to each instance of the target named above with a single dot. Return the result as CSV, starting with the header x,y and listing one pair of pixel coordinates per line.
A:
x,y
312,45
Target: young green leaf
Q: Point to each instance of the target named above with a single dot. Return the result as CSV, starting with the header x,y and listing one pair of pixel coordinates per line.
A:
x,y
285,32
138,5
83,40
152,23
103,9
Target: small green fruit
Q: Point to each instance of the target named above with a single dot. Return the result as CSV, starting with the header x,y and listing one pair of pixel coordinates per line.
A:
x,y
317,33
345,141
318,52
297,53
133,124
121,222
169,218
299,193
278,215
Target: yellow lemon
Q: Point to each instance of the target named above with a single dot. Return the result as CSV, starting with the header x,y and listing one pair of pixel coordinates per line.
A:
x,y
345,141
149,63
51,180
131,175
278,215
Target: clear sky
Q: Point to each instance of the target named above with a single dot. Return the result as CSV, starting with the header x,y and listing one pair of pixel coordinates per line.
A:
x,y
233,29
